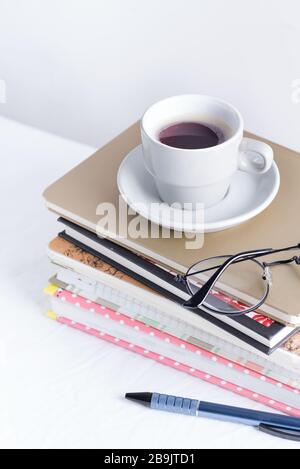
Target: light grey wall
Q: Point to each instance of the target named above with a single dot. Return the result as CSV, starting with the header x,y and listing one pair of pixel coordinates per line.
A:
x,y
86,69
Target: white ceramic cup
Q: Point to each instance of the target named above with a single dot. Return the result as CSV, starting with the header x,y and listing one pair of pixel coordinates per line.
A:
x,y
203,175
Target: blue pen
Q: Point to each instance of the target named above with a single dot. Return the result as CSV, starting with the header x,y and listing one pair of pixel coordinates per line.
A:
x,y
273,424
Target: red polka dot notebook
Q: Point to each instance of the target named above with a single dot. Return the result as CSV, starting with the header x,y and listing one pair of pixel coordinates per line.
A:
x,y
112,326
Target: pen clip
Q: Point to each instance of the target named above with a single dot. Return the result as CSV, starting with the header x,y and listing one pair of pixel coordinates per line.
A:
x,y
286,434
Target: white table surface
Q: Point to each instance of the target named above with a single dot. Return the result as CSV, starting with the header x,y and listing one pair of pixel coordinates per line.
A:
x,y
61,388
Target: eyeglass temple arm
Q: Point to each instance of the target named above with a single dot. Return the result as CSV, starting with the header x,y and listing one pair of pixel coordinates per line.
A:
x,y
283,262
197,300
252,256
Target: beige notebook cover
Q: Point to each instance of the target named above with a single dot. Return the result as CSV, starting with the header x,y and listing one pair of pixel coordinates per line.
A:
x,y
77,195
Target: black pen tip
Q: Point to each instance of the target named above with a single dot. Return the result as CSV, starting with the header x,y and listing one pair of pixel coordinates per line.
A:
x,y
143,398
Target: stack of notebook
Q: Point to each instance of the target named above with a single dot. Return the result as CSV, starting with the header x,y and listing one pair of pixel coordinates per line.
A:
x,y
124,290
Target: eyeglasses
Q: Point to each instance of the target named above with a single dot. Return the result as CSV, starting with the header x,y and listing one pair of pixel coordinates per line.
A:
x,y
206,279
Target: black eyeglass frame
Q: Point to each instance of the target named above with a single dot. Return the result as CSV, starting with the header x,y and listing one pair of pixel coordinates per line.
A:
x,y
197,299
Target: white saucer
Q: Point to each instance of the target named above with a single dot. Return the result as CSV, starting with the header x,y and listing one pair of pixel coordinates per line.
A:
x,y
248,196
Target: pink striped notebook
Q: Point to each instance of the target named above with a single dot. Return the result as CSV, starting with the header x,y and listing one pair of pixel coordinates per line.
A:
x,y
90,312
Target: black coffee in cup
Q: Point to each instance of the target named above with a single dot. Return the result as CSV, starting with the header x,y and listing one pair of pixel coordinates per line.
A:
x,y
191,136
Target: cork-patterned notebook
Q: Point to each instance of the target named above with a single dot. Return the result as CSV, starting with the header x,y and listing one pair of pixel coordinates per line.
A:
x,y
77,195
68,249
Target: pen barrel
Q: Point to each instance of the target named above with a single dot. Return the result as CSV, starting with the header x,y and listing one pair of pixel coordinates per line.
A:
x,y
177,405
247,416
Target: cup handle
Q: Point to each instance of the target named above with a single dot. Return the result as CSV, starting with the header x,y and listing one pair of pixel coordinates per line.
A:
x,y
255,157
